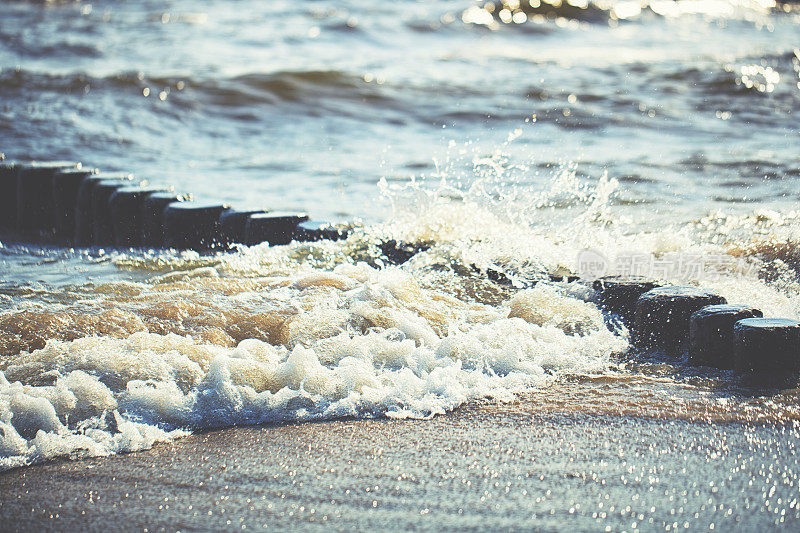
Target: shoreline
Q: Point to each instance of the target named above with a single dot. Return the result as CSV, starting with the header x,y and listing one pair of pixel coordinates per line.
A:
x,y
485,465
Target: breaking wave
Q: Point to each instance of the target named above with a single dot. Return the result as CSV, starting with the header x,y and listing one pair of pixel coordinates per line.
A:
x,y
329,330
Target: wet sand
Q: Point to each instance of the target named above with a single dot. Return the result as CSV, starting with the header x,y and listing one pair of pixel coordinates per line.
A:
x,y
542,463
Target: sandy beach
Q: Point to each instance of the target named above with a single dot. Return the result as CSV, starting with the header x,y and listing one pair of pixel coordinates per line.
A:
x,y
534,464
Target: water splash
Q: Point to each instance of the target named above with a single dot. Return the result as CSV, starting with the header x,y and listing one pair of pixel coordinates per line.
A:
x,y
314,331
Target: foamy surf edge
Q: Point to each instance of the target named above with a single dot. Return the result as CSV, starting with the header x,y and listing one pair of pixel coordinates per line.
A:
x,y
100,395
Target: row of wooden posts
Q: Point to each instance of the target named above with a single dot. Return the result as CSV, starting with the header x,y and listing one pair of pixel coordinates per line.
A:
x,y
67,204
704,327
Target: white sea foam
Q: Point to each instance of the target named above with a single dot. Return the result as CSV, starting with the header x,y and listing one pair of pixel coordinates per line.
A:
x,y
367,343
310,331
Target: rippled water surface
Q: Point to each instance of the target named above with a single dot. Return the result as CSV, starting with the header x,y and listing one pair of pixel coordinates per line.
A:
x,y
308,105
506,137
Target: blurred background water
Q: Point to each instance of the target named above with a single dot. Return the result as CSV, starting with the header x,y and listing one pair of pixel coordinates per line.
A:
x,y
691,105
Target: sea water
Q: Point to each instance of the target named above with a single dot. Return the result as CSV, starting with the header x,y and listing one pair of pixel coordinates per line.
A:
x,y
661,138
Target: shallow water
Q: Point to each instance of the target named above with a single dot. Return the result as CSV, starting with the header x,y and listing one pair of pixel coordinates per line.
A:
x,y
662,136
483,466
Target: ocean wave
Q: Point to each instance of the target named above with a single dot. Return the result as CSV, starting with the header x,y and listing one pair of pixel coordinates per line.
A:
x,y
291,87
254,96
239,90
563,13
327,330
741,79
358,342
752,88
757,90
